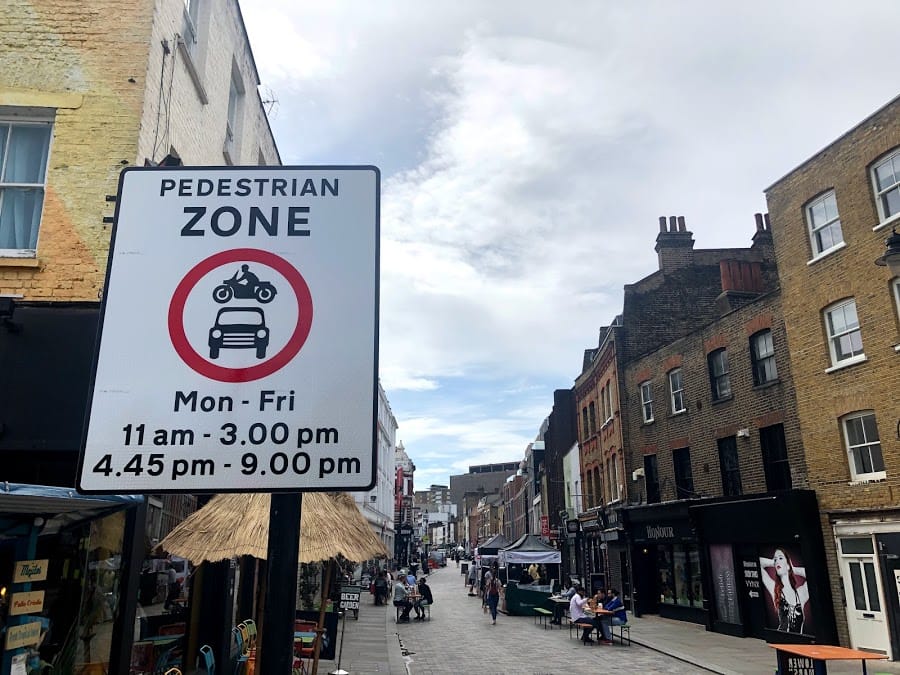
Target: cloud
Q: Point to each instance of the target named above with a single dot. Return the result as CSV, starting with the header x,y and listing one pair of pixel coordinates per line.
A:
x,y
527,153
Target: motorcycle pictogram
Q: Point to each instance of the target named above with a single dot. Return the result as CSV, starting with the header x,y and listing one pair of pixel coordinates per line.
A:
x,y
244,285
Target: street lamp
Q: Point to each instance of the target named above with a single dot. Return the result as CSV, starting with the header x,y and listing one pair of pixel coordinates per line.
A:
x,y
891,257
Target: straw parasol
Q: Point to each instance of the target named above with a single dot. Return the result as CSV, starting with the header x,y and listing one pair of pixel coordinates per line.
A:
x,y
237,524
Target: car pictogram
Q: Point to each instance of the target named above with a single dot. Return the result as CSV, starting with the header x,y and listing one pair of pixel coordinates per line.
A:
x,y
239,328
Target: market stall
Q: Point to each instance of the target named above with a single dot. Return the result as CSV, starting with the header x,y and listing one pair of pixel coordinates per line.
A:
x,y
529,553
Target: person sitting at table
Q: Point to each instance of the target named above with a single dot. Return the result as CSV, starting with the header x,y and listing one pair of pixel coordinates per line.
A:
x,y
525,578
401,600
577,615
426,598
618,617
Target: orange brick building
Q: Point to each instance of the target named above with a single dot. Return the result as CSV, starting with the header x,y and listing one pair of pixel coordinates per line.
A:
x,y
830,217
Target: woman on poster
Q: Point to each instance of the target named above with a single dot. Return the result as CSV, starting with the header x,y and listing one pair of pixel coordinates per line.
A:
x,y
787,587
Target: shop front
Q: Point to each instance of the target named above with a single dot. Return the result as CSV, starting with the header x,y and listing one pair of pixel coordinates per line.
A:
x,y
766,572
868,557
65,578
666,570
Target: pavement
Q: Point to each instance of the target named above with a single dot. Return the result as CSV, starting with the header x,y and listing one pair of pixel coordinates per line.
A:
x,y
460,638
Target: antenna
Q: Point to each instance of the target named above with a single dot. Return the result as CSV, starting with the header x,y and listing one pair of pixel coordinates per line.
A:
x,y
269,101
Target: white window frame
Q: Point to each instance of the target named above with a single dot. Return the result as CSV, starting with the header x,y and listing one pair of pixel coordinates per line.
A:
x,y
814,228
868,444
757,358
883,217
895,286
646,389
676,394
832,337
717,379
15,121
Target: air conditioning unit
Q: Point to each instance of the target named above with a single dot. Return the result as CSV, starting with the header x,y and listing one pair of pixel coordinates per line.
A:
x,y
637,473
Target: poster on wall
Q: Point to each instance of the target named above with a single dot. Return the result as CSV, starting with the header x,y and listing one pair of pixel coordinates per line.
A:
x,y
723,583
786,592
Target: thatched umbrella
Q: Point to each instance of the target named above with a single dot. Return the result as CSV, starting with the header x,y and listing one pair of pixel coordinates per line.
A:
x,y
237,524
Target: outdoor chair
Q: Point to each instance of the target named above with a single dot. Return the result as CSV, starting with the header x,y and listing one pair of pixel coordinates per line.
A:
x,y
251,633
209,661
240,658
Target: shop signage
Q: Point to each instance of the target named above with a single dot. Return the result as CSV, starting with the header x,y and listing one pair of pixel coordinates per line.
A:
x,y
350,597
238,345
26,603
545,526
651,532
751,578
30,570
23,635
18,665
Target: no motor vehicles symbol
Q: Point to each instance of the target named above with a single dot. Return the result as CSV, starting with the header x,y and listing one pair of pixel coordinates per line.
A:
x,y
242,326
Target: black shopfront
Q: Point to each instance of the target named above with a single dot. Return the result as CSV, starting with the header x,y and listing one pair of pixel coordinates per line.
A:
x,y
765,570
665,562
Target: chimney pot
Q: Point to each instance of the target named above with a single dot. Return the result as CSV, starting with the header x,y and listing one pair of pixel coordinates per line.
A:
x,y
759,222
673,224
768,224
681,227
662,223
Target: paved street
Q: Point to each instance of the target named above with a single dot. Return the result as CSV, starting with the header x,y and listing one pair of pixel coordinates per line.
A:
x,y
460,639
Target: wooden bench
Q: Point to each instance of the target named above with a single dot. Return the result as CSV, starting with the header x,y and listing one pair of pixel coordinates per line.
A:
x,y
623,631
542,615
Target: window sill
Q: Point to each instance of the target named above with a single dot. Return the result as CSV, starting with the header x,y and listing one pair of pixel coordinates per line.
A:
x,y
20,262
865,479
766,385
897,348
678,412
647,423
826,253
724,399
852,361
884,223
192,70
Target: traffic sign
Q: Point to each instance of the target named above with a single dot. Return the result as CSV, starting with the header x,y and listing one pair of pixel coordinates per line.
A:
x,y
239,346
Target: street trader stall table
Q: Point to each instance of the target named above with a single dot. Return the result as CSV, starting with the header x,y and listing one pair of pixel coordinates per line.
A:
x,y
813,659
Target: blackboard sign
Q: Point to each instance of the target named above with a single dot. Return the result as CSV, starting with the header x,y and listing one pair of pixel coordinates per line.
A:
x,y
350,597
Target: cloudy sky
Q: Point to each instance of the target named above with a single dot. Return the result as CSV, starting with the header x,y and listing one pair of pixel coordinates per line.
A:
x,y
527,150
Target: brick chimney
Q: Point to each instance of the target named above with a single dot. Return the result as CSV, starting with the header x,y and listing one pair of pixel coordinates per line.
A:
x,y
762,239
674,244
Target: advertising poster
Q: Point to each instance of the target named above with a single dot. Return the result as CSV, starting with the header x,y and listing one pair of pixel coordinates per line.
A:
x,y
783,578
724,586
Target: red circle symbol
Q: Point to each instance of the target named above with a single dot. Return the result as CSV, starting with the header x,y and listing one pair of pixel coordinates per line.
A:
x,y
301,331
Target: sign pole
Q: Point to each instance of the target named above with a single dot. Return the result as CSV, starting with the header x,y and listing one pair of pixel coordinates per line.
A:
x,y
276,650
339,671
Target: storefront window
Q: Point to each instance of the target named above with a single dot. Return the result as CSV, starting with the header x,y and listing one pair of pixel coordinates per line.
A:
x,y
678,567
696,583
666,575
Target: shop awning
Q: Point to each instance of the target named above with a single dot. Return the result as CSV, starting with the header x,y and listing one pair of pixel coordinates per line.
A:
x,y
58,507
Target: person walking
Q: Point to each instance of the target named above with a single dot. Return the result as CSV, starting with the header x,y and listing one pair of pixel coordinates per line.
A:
x,y
473,575
492,593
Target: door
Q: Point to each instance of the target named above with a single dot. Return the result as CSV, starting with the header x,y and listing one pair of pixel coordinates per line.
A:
x,y
863,595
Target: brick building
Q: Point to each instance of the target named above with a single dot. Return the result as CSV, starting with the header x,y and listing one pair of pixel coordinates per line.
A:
x,y
603,551
712,440
87,88
830,217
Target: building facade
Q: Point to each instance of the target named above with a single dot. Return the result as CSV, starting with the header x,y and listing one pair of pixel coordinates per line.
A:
x,y
88,88
830,217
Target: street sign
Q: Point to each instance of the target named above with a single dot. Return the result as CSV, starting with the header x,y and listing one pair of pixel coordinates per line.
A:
x,y
239,344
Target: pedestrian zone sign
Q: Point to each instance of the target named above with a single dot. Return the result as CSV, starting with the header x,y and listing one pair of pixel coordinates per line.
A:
x,y
238,348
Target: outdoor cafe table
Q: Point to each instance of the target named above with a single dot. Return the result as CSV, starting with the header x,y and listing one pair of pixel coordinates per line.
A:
x,y
597,615
813,659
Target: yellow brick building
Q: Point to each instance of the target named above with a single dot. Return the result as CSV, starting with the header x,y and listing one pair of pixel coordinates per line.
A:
x,y
88,87
830,217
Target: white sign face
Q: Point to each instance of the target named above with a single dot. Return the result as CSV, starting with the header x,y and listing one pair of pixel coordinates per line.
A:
x,y
239,345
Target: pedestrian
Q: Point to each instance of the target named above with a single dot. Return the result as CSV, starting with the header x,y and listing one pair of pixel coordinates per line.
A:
x,y
381,588
488,575
492,591
472,577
